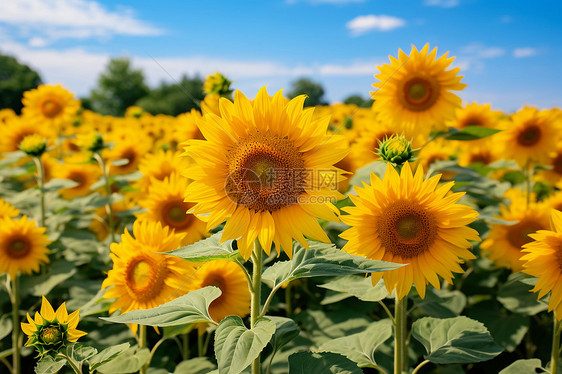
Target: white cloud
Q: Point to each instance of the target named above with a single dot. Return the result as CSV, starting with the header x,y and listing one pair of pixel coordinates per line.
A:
x,y
56,19
442,3
525,52
363,24
472,56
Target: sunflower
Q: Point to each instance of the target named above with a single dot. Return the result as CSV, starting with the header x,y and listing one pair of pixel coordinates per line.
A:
x,y
364,150
80,172
530,136
437,150
476,115
408,220
504,242
50,330
17,129
482,152
414,91
142,278
210,104
553,175
554,201
6,114
543,259
268,169
53,106
165,204
131,150
23,246
7,210
158,166
100,223
226,275
186,127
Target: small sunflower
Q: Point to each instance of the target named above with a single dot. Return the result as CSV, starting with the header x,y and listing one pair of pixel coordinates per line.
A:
x,y
165,204
414,93
226,275
554,175
23,246
437,150
542,258
50,330
53,106
7,210
6,114
476,115
503,243
530,136
80,172
17,129
406,219
130,150
158,166
267,168
217,84
33,145
482,152
142,278
554,201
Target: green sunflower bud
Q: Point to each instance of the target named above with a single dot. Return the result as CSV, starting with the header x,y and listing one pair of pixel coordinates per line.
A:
x,y
217,84
396,150
33,145
92,141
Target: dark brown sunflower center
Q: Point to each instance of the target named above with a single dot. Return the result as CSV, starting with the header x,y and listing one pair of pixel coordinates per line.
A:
x,y
51,108
529,136
471,121
130,155
419,94
518,234
175,214
18,248
406,229
266,172
145,277
217,280
481,158
557,164
78,178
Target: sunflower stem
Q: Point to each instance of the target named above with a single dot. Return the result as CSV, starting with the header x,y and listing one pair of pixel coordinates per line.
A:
x,y
388,313
555,354
200,344
142,344
41,184
108,206
422,364
15,299
184,346
256,296
400,348
288,297
71,362
529,181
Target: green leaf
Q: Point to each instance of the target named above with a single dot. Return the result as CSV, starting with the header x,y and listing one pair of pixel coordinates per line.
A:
x,y
5,326
207,250
358,286
515,296
79,352
49,365
56,184
120,162
322,260
440,304
455,340
285,330
321,363
42,284
236,346
198,365
192,307
319,326
470,133
106,355
523,367
129,361
360,348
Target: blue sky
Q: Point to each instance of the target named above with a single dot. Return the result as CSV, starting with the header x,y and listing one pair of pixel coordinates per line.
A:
x,y
508,51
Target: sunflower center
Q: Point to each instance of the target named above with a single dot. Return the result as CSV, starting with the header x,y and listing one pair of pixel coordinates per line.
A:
x,y
481,158
18,248
51,335
266,172
217,280
419,94
530,136
518,234
78,178
472,121
130,155
406,229
557,164
51,108
174,215
145,277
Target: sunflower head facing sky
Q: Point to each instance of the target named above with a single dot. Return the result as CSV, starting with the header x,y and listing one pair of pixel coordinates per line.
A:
x,y
408,220
267,168
414,91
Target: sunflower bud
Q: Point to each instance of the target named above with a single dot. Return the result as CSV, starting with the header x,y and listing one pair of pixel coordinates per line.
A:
x,y
92,141
217,84
396,150
33,145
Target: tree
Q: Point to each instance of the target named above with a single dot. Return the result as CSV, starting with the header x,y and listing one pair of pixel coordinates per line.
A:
x,y
306,86
358,100
119,87
15,79
174,98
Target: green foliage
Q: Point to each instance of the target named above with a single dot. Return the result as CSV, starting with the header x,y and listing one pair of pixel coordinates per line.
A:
x,y
174,98
15,79
358,286
207,250
470,133
358,100
523,367
129,361
306,86
320,363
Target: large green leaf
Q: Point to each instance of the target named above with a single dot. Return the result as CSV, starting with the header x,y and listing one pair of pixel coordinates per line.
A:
x,y
515,296
106,355
207,250
197,365
361,347
440,304
321,363
358,286
320,326
285,330
236,346
42,284
129,361
192,307
455,340
523,367
322,260
80,352
49,365
470,133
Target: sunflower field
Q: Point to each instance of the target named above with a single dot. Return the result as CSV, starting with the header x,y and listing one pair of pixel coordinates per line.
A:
x,y
419,235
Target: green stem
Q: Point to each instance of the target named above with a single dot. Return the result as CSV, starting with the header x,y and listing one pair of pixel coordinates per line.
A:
x,y
400,348
71,363
388,313
108,206
529,181
256,295
200,344
41,184
142,344
153,350
423,363
288,297
555,355
184,346
15,299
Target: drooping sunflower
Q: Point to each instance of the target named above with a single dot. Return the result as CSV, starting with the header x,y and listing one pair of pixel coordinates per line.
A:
x,y
267,169
23,246
76,170
503,243
542,258
50,330
7,210
165,204
141,277
414,93
53,106
406,219
160,165
226,275
530,136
